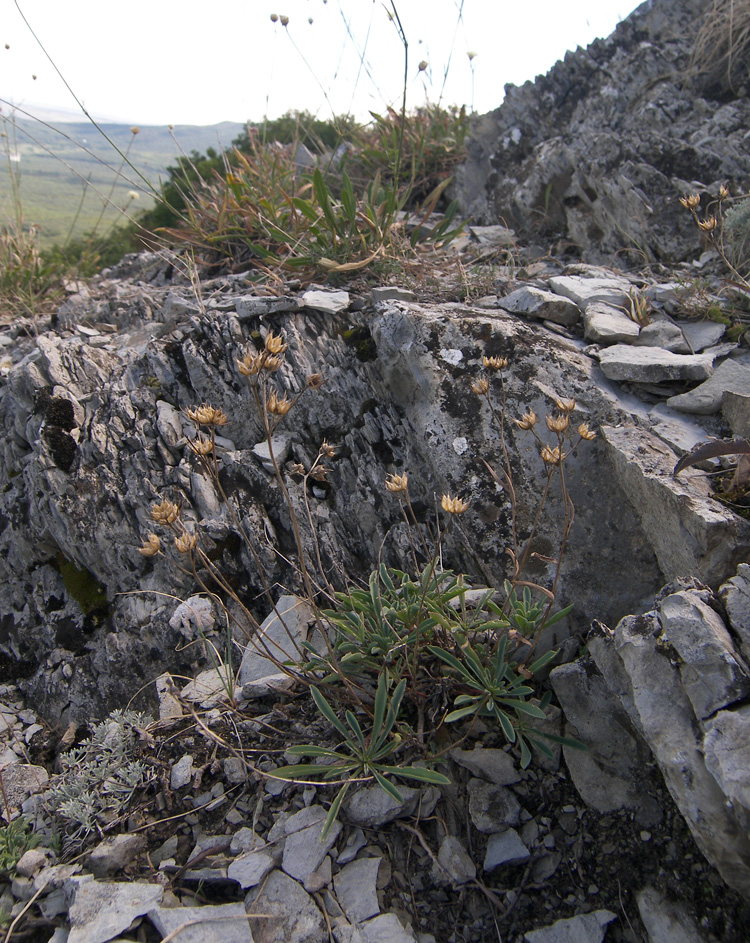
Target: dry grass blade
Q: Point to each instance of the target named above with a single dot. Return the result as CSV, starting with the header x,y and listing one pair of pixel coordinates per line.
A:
x,y
712,450
720,54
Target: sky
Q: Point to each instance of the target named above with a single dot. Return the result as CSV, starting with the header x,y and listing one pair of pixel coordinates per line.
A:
x,y
182,62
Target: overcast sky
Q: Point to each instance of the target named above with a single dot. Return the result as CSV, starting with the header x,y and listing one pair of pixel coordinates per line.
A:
x,y
183,62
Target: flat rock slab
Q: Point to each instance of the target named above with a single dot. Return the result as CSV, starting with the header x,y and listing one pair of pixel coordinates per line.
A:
x,y
702,334
731,376
679,431
691,533
454,861
305,848
735,408
585,928
541,304
356,889
209,687
386,928
587,291
653,365
663,334
222,923
280,636
289,913
329,302
496,766
373,806
505,848
102,910
249,870
605,324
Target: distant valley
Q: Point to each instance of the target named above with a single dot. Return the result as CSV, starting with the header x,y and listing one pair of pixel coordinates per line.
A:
x,y
62,173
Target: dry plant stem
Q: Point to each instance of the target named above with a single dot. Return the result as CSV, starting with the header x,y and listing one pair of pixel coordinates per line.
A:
x,y
27,906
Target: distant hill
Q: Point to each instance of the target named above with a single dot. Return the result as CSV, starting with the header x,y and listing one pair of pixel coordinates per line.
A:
x,y
65,171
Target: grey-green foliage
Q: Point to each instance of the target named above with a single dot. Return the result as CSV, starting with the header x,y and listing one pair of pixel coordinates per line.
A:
x,y
737,233
100,777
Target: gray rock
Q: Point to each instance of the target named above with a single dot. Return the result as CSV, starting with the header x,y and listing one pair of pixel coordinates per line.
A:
x,y
114,854
496,766
280,637
182,772
386,928
611,291
702,334
665,716
373,806
210,687
100,910
356,889
21,780
584,928
663,334
305,848
713,675
731,376
220,923
194,617
492,808
727,751
666,921
736,410
281,445
544,305
454,861
653,365
170,707
609,773
289,913
30,862
328,302
391,293
735,594
505,848
691,534
249,870
605,324
680,432
354,843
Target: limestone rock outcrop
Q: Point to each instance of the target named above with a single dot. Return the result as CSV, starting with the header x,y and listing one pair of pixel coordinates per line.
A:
x,y
595,154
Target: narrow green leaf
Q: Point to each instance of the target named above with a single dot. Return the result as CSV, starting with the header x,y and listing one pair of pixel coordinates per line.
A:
x,y
387,786
461,712
354,724
334,811
558,615
542,662
419,773
327,711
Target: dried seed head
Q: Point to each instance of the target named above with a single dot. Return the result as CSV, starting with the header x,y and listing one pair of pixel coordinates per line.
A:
x,y
166,512
495,363
206,415
565,405
423,65
135,130
723,192
559,424
552,456
453,505
315,381
278,406
151,546
585,433
471,55
274,17
480,387
527,421
708,224
271,363
185,542
319,472
327,449
284,20
201,446
275,344
690,201
296,469
250,365
397,483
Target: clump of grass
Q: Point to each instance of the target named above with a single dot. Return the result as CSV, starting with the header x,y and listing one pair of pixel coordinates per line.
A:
x,y
721,53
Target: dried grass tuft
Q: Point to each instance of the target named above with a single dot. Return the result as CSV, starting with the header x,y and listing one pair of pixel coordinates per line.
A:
x,y
720,61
